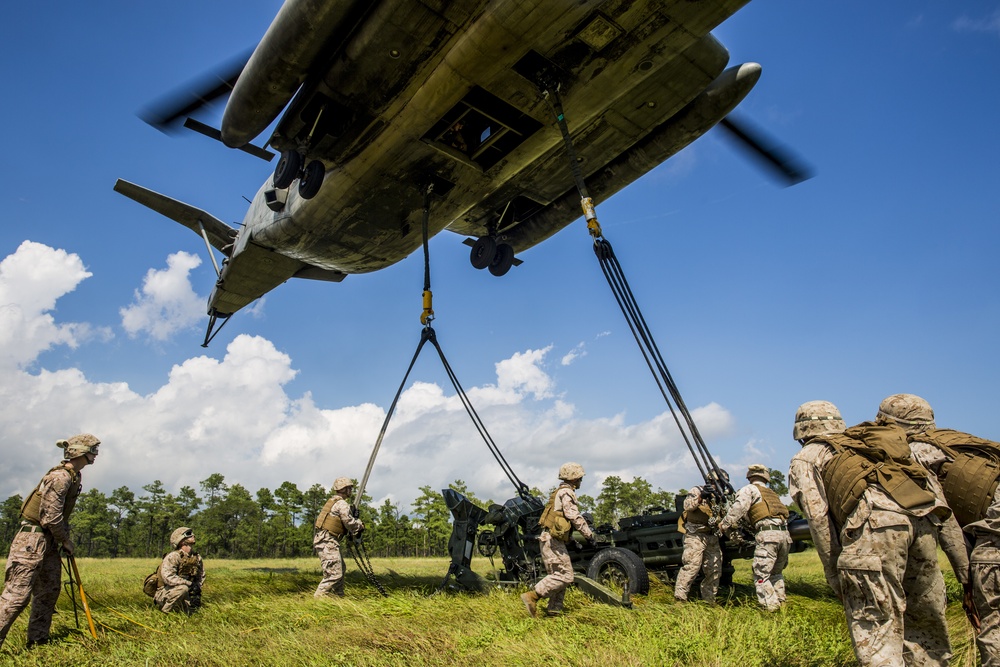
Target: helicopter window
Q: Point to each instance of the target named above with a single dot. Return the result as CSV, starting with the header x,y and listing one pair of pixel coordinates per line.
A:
x,y
483,128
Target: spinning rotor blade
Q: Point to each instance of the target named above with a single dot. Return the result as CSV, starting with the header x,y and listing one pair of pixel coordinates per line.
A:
x,y
786,166
163,113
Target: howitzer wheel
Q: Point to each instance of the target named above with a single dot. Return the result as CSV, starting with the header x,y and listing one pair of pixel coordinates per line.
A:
x,y
486,543
620,570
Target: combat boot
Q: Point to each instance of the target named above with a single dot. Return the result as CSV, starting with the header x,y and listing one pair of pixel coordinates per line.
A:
x,y
530,600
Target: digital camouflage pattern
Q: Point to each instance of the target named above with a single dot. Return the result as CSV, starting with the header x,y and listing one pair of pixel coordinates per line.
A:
x,y
882,564
772,544
985,580
702,553
951,537
181,578
34,564
817,418
327,548
555,556
571,471
908,411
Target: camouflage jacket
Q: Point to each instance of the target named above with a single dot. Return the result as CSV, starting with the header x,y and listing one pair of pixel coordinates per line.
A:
x,y
174,571
342,510
805,483
745,498
566,501
56,490
951,538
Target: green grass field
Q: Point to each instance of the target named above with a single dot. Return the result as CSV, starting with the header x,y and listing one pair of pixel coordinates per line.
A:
x,y
263,613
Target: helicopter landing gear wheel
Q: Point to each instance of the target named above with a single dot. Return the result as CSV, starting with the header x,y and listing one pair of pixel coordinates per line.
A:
x,y
503,260
483,252
620,570
287,169
312,179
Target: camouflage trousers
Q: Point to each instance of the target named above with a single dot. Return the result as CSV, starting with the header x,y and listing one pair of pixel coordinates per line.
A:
x,y
770,556
33,573
555,557
985,561
702,553
172,598
893,591
332,563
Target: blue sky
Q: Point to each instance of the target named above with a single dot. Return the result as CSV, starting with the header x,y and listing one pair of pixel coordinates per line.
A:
x,y
875,277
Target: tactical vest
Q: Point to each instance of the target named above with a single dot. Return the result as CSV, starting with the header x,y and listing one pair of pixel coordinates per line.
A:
x,y
329,521
872,454
700,514
970,481
31,508
554,520
768,507
189,567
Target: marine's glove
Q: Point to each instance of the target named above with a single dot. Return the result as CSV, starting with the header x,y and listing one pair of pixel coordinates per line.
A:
x,y
355,512
592,540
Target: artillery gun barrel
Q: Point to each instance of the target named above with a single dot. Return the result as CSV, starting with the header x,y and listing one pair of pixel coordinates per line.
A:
x,y
799,530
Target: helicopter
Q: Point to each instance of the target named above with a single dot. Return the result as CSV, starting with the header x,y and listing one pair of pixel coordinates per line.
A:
x,y
397,116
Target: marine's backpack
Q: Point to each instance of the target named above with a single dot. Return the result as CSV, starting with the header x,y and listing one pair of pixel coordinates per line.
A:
x,y
152,582
970,480
872,454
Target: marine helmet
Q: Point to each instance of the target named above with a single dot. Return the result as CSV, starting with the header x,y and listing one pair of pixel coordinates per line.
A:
x,y
570,471
342,483
179,536
817,418
909,411
78,445
758,471
722,475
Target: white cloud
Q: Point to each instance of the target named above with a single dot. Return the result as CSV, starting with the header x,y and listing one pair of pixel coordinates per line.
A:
x,y
31,280
573,355
167,303
990,24
234,415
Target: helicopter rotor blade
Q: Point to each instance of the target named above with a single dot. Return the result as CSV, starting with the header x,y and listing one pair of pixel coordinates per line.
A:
x,y
165,112
779,160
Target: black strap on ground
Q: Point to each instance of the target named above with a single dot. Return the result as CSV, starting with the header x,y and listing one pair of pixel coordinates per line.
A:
x,y
615,276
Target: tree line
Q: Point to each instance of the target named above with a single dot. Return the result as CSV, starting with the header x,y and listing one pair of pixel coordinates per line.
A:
x,y
230,522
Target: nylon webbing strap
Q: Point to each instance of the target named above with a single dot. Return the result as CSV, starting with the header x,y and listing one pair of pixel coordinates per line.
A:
x,y
633,316
428,334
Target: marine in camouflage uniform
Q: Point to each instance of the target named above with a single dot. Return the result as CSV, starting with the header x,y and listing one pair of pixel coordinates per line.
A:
x,y
34,562
768,520
985,580
982,581
881,560
333,523
181,575
702,552
552,543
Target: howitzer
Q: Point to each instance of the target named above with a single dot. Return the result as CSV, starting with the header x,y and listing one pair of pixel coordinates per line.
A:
x,y
619,562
